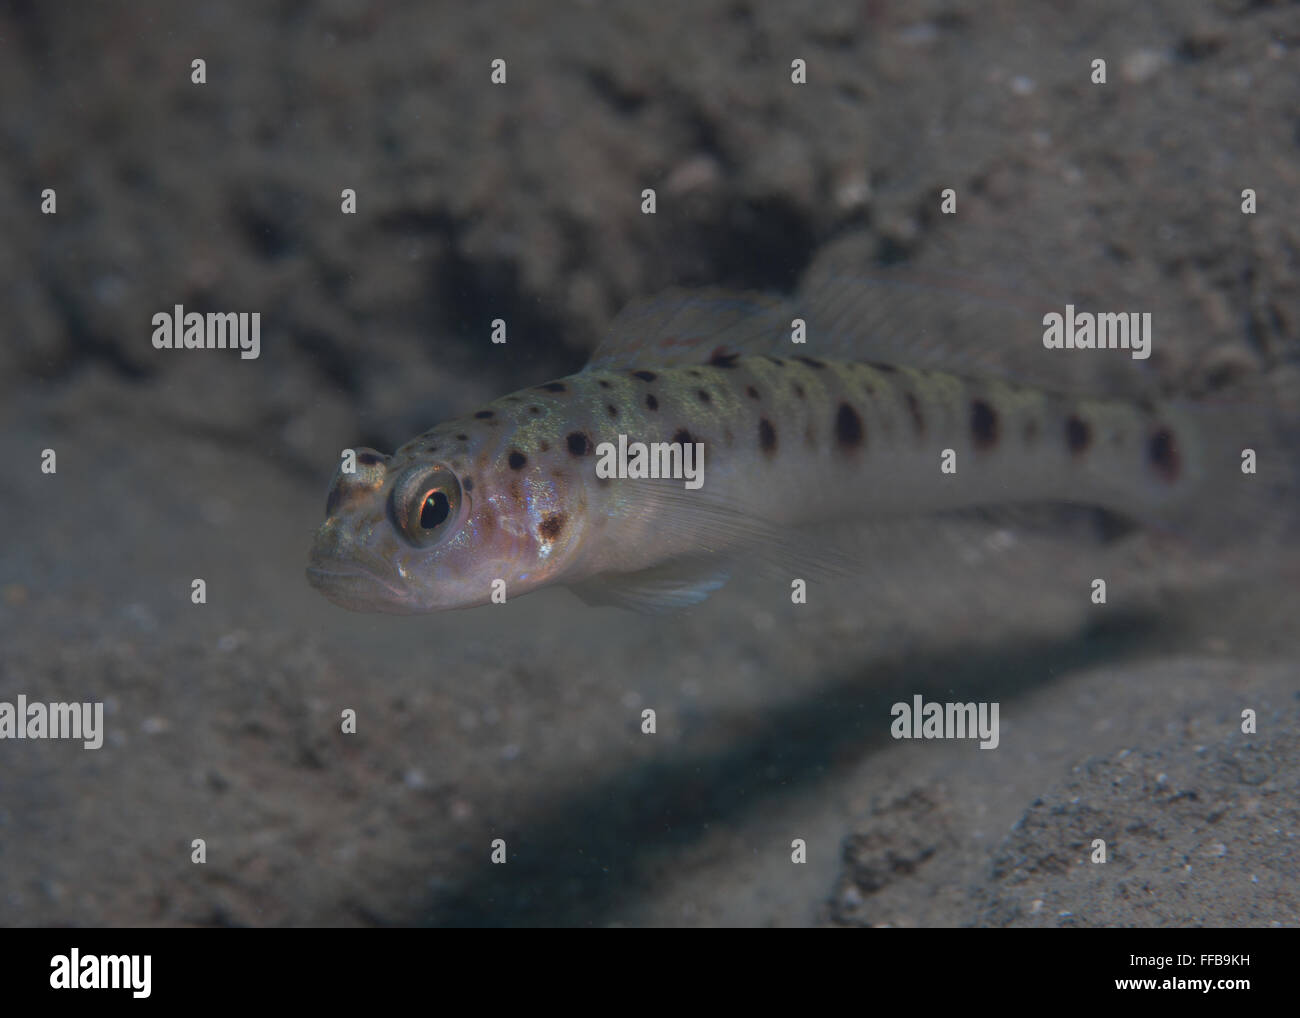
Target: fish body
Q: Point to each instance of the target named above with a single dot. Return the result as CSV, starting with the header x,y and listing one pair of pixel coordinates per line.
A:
x,y
510,499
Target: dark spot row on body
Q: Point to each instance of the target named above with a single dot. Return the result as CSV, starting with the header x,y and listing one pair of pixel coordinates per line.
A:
x,y
552,526
766,436
1078,435
517,460
554,387
884,369
914,410
467,483
849,431
1162,451
579,443
752,392
723,360
645,376
683,437
462,438
602,383
777,361
484,415
983,424
812,362
704,396
693,372
797,389
651,402
611,409
543,445
534,410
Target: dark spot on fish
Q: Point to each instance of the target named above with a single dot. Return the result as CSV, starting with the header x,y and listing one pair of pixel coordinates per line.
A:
x,y
848,427
544,445
467,484
798,390
645,376
462,438
517,460
914,409
723,360
369,459
534,410
812,362
552,526
611,409
579,444
602,383
692,372
766,435
650,401
886,369
554,387
704,395
683,437
983,424
777,361
752,393
1162,450
1078,436
483,415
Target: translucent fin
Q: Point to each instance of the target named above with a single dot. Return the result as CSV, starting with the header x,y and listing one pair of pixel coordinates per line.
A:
x,y
987,325
897,316
689,326
668,587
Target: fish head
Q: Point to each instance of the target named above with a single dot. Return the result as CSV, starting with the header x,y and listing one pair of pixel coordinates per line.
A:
x,y
419,532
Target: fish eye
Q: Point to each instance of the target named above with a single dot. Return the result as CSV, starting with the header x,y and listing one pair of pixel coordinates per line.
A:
x,y
424,502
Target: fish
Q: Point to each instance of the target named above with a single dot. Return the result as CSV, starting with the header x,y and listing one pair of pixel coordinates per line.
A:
x,y
810,416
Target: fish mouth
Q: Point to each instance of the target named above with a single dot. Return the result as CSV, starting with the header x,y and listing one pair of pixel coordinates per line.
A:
x,y
356,588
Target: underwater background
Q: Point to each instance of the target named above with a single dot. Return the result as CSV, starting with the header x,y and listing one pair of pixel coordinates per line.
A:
x,y
523,722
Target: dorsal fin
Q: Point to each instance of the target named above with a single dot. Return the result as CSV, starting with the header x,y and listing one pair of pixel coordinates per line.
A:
x,y
689,326
898,316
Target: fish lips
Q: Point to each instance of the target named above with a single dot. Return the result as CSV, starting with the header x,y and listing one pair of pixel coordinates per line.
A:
x,y
356,588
